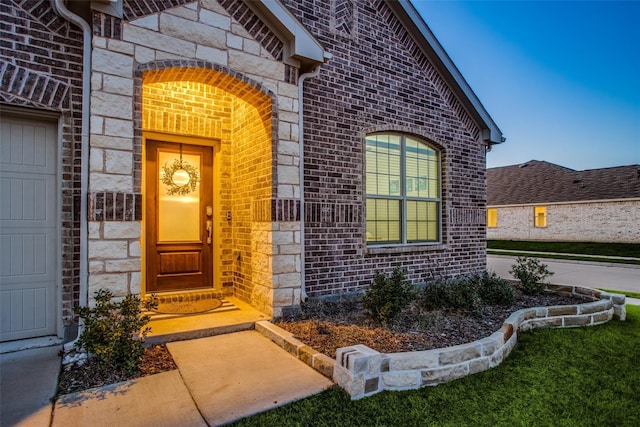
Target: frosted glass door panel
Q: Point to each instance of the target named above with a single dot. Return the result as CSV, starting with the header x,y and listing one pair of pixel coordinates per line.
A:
x,y
178,215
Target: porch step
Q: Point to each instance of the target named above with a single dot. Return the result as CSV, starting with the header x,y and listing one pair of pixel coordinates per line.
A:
x,y
158,315
192,334
234,316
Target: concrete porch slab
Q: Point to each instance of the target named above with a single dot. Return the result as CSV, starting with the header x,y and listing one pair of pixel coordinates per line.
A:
x,y
236,375
189,327
157,400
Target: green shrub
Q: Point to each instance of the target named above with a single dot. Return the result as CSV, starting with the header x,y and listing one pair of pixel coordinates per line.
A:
x,y
113,330
434,295
496,290
531,273
460,293
388,296
469,293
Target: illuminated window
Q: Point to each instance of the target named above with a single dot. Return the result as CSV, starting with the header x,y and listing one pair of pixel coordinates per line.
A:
x,y
540,216
492,217
403,190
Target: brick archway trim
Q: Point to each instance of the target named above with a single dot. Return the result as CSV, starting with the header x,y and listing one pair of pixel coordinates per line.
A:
x,y
226,79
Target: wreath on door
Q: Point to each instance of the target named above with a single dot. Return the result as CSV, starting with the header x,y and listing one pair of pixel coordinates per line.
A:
x,y
180,177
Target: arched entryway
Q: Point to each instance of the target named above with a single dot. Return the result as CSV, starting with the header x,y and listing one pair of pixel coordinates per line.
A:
x,y
207,155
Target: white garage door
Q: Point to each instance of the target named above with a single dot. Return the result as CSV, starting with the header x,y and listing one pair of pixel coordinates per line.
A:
x,y
28,228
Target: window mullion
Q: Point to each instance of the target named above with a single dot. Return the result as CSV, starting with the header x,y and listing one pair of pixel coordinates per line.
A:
x,y
403,191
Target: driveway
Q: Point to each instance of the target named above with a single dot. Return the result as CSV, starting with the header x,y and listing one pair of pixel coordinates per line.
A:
x,y
622,277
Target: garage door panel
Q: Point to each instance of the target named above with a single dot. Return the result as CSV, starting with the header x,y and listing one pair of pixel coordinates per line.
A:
x,y
28,146
25,257
25,312
27,201
28,228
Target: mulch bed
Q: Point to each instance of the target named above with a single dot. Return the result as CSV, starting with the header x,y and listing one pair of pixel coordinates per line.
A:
x,y
336,325
82,376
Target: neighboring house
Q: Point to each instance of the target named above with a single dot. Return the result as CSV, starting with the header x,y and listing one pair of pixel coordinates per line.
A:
x,y
542,201
266,149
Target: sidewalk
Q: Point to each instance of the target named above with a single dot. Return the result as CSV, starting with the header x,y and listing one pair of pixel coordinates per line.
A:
x,y
28,381
537,254
219,379
621,277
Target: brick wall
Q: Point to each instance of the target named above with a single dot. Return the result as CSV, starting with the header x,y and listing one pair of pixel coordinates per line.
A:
x,y
616,221
378,81
185,107
251,179
41,69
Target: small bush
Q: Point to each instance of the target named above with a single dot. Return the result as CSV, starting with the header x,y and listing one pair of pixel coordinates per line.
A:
x,y
496,290
459,294
531,273
388,296
469,293
113,330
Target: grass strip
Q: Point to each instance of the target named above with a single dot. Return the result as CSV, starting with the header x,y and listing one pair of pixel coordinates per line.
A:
x,y
571,377
629,294
566,257
585,248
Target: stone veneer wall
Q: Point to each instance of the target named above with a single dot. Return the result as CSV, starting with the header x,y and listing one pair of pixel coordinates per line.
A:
x,y
378,80
605,221
225,39
362,371
41,69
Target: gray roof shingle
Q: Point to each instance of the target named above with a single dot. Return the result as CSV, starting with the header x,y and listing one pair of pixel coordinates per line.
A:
x,y
543,182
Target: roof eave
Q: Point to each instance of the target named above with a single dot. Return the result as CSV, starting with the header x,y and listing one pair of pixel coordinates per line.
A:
x,y
431,47
301,47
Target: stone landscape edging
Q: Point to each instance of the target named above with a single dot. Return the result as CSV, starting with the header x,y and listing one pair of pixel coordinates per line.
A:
x,y
362,371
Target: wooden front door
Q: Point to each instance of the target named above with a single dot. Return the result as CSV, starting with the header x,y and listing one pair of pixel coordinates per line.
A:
x,y
179,216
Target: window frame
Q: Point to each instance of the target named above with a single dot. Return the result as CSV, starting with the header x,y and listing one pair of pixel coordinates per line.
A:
x,y
537,210
494,223
403,198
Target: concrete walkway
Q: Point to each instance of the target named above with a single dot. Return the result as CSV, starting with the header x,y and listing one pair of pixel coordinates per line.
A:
x,y
219,379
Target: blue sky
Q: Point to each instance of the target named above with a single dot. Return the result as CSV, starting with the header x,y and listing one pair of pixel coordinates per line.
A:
x,y
560,78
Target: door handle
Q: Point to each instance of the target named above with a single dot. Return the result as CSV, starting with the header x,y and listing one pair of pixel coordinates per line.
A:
x,y
209,231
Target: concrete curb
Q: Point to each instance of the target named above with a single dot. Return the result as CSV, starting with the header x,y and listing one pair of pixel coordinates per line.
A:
x,y
285,339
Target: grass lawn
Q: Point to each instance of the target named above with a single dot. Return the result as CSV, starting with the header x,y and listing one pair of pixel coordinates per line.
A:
x,y
586,248
554,377
629,294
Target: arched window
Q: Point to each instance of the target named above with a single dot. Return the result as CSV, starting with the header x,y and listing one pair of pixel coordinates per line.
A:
x,y
403,190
